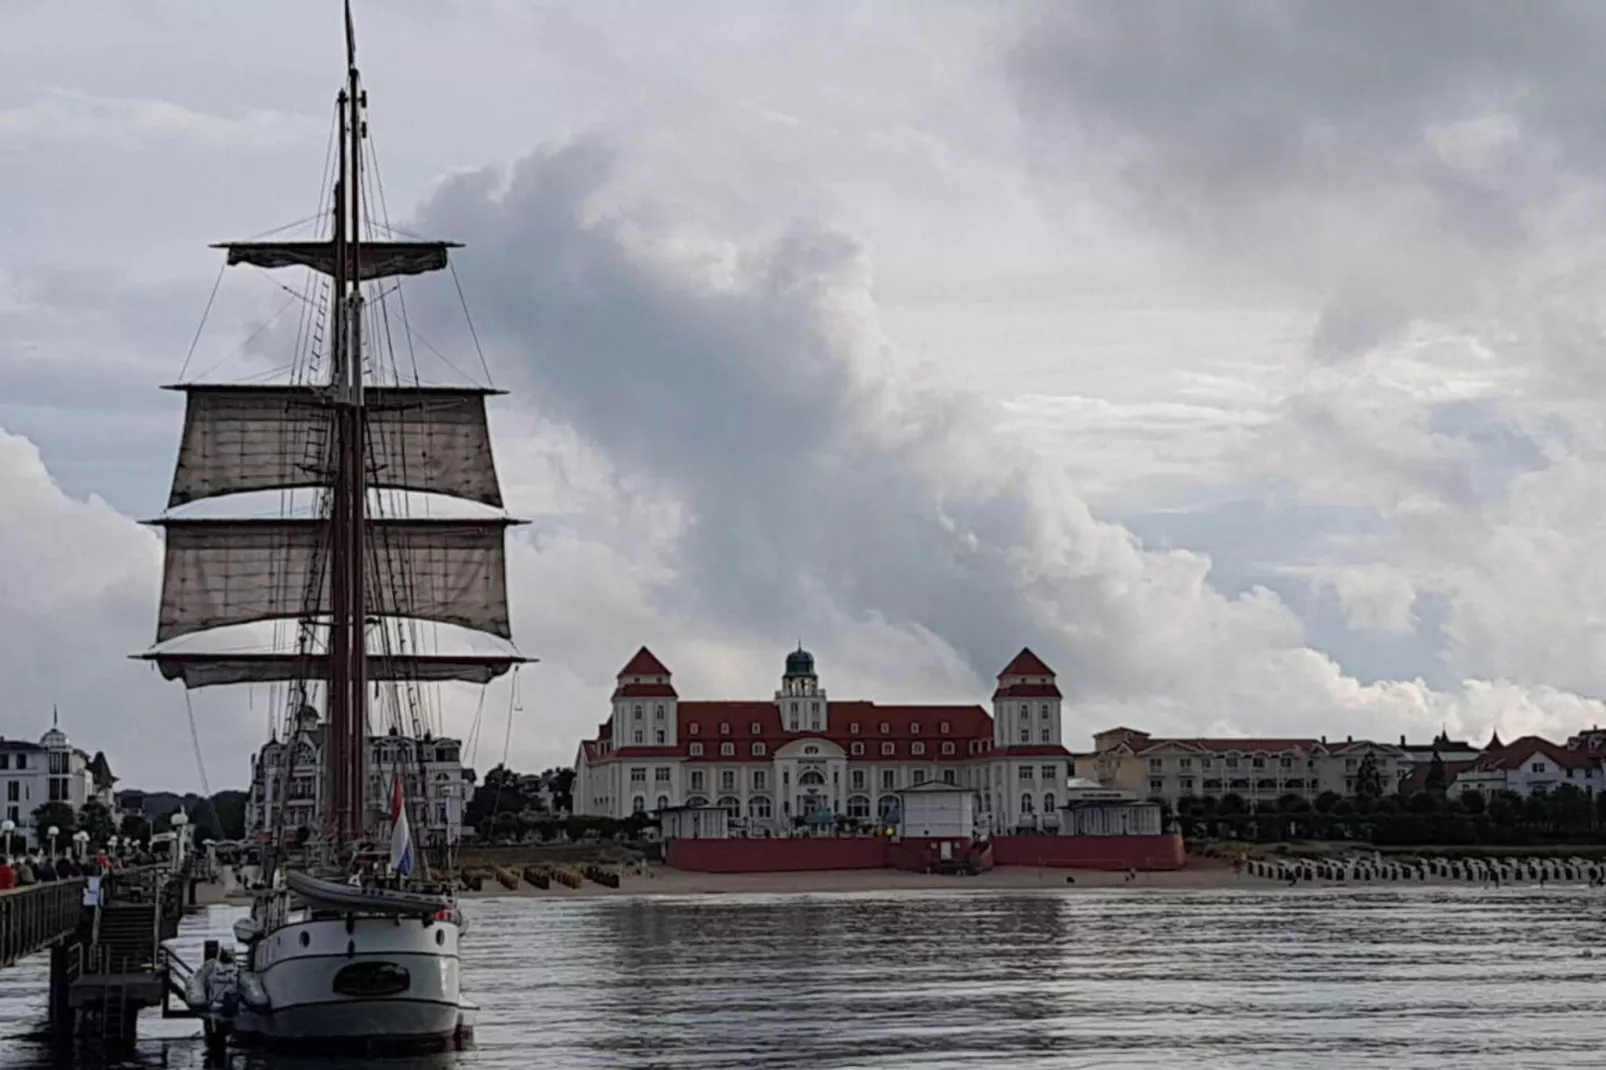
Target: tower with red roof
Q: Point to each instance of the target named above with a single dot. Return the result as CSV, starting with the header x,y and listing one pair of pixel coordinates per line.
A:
x,y
644,704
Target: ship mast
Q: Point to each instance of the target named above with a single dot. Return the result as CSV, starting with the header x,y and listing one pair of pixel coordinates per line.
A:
x,y
346,768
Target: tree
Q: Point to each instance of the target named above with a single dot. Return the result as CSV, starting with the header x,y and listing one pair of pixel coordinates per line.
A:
x,y
57,814
96,819
135,827
1437,778
1368,781
1473,802
1327,801
228,808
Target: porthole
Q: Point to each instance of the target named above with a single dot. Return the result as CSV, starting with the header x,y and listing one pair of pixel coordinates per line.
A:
x,y
440,937
306,938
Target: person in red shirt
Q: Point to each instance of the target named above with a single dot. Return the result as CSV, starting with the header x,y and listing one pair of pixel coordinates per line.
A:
x,y
8,875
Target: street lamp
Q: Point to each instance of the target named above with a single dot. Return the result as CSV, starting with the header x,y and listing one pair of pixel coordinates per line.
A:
x,y
52,832
8,826
80,841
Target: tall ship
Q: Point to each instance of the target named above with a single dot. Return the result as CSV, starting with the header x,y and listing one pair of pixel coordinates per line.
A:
x,y
353,937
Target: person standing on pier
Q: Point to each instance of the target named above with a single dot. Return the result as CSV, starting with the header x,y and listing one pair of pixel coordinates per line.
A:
x,y
8,875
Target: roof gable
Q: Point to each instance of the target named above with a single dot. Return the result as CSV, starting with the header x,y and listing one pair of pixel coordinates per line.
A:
x,y
644,664
1026,663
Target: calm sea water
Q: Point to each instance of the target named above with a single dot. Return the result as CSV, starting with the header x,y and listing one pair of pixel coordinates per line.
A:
x,y
1419,978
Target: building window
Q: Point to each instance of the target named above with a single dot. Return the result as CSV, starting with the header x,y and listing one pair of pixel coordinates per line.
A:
x,y
727,780
697,780
1286,763
814,707
693,729
1050,772
948,746
758,807
759,780
1026,772
1257,763
886,729
889,779
661,774
856,748
1048,802
1232,763
914,728
1048,734
1156,765
1044,709
638,805
1156,786
696,750
638,775
1538,767
853,728
727,750
658,712
948,777
1025,733
1187,783
919,777
943,728
886,749
1185,763
814,723
1026,802
635,713
724,728
791,721
856,779
758,750
658,736
754,729
638,736
811,749
917,749
663,802
858,806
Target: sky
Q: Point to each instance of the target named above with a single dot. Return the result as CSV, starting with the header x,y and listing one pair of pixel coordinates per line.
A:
x,y
1241,359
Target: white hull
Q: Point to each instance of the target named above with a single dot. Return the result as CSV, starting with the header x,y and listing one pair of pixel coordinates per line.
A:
x,y
385,979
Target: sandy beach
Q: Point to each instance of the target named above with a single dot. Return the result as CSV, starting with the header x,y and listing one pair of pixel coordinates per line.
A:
x,y
1197,875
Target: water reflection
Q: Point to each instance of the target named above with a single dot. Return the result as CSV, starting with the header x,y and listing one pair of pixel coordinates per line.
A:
x,y
1421,978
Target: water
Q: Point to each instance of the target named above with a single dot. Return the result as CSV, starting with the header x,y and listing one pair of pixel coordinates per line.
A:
x,y
1418,978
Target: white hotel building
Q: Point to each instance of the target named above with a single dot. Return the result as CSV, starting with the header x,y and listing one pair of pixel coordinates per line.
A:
x,y
51,770
801,753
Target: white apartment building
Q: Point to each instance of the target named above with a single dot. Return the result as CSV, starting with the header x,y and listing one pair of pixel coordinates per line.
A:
x,y
287,782
803,755
51,770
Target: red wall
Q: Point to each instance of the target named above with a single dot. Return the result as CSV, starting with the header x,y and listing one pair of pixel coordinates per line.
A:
x,y
785,856
1090,852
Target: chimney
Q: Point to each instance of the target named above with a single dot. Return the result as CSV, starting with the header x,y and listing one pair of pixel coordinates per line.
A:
x,y
1324,739
1402,740
1349,739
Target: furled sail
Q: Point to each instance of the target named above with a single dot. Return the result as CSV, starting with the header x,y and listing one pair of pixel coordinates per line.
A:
x,y
225,572
376,260
198,669
253,438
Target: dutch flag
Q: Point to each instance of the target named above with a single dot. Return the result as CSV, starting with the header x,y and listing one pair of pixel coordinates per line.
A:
x,y
401,837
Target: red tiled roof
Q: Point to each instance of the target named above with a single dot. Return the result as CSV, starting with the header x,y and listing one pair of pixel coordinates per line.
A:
x,y
644,664
1027,691
1026,664
1512,756
644,691
1417,779
710,723
1031,750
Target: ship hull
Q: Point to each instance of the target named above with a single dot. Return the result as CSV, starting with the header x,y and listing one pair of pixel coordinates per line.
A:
x,y
370,982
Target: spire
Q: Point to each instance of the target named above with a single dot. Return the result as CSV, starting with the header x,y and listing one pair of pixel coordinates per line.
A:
x,y
55,716
351,38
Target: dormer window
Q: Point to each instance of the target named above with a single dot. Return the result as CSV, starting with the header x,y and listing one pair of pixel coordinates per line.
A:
x,y
856,748
886,729
727,750
853,728
696,750
811,749
948,747
917,749
724,728
943,728
693,729
914,728
886,750
754,728
758,750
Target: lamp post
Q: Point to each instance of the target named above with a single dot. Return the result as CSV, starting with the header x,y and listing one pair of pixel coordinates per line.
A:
x,y
8,827
52,832
80,841
180,819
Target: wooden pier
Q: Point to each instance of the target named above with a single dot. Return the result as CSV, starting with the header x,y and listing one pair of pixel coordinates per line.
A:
x,y
107,962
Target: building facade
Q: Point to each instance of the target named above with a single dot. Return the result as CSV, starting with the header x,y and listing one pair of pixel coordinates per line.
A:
x,y
800,755
51,770
1531,764
1257,770
287,782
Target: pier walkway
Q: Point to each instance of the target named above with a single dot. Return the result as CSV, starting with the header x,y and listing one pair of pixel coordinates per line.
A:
x,y
38,916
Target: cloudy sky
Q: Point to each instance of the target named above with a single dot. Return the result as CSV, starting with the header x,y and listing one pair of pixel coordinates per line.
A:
x,y
1242,359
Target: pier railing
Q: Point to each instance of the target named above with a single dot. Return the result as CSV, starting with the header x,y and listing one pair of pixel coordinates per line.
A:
x,y
37,916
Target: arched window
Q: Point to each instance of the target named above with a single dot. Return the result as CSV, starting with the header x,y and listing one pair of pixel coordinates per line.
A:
x,y
697,800
658,712
858,806
811,749
1026,803
663,802
727,749
1025,711
811,778
758,807
887,806
731,803
857,747
638,805
1048,802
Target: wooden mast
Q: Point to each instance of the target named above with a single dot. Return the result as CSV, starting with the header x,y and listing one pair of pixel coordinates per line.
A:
x,y
348,719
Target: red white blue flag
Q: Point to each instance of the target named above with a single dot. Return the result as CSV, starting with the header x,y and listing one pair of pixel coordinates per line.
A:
x,y
401,836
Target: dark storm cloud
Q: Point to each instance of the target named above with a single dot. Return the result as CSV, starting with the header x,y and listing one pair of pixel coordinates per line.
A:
x,y
1391,154
758,387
